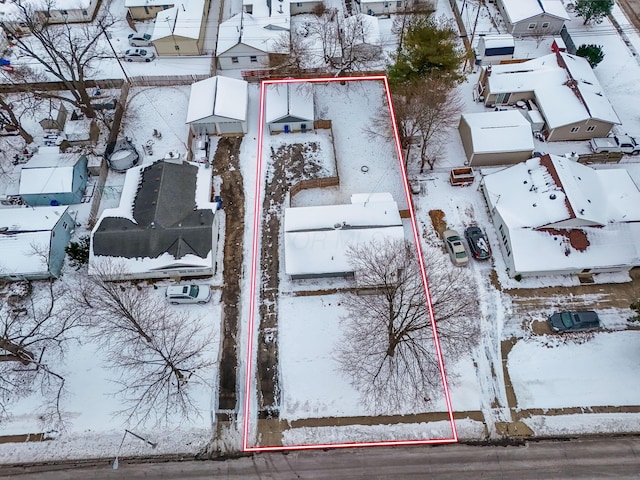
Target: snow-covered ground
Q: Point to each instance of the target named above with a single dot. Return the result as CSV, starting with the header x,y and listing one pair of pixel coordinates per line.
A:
x,y
545,372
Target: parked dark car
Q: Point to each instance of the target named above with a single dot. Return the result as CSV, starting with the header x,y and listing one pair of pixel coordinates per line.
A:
x,y
478,243
574,321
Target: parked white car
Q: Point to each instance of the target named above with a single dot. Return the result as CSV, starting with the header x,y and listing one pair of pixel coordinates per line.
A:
x,y
139,55
139,40
192,293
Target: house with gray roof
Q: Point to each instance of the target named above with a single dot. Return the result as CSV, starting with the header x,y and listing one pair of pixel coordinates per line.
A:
x,y
165,226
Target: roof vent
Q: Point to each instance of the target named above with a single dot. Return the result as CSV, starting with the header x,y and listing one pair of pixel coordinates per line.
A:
x,y
552,196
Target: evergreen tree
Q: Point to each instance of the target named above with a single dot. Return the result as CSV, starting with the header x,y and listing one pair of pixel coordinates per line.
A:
x,y
593,10
429,46
78,252
593,53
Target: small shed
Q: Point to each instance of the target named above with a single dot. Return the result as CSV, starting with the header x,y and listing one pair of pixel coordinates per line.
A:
x,y
218,106
32,241
493,49
289,108
496,138
52,178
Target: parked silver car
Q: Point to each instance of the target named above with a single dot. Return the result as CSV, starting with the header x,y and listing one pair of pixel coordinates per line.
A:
x,y
192,293
139,55
139,40
455,247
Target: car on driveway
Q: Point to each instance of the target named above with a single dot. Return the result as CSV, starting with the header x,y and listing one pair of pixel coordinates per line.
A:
x,y
139,55
455,247
140,40
191,293
478,243
574,321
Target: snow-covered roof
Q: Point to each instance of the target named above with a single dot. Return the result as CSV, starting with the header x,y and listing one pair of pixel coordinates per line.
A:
x,y
541,198
46,180
163,230
48,171
51,157
498,41
28,231
256,32
220,96
502,131
566,88
317,239
183,20
289,100
518,10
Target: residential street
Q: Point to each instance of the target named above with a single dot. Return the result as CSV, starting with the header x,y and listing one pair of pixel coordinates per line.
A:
x,y
591,458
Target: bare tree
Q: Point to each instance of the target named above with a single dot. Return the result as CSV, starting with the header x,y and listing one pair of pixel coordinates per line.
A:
x,y
298,57
425,112
35,331
68,53
388,350
345,42
160,354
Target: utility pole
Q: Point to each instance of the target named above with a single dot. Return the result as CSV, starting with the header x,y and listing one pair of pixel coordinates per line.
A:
x,y
114,53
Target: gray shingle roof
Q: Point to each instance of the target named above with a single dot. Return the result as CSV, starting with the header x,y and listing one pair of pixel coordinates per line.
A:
x,y
166,215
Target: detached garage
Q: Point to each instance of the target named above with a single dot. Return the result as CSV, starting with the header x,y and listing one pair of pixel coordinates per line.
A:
x,y
218,106
496,138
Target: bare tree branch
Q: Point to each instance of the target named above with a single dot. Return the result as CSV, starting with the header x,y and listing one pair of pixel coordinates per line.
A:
x,y
388,349
158,352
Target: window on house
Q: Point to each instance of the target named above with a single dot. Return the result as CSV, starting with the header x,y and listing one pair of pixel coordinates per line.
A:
x,y
177,47
146,10
53,233
575,129
234,59
64,12
399,4
591,128
386,4
64,224
545,25
253,59
298,4
532,26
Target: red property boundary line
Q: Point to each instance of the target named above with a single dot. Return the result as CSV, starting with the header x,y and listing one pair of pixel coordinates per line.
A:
x,y
254,271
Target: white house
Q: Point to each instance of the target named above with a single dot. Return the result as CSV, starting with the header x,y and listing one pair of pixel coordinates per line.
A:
x,y
289,107
555,216
56,11
246,41
533,17
32,241
496,138
317,239
218,106
562,86
383,7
